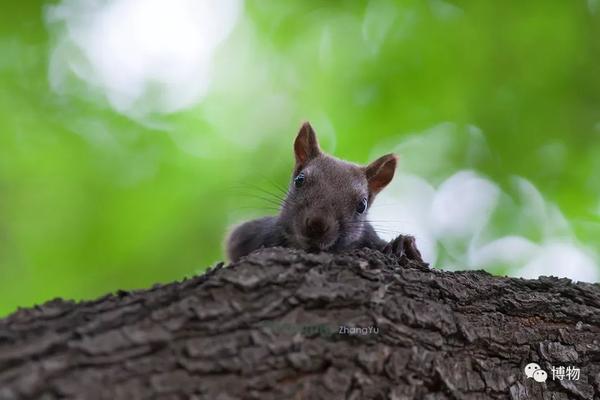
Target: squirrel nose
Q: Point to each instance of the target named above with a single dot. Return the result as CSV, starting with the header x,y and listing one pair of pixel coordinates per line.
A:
x,y
316,227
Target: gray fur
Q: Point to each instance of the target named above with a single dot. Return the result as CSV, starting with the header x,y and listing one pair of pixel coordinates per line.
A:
x,y
328,199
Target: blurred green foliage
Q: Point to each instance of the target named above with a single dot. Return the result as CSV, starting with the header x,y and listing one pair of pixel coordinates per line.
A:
x,y
92,200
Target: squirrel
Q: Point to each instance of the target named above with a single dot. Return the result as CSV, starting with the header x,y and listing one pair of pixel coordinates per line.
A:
x,y
325,208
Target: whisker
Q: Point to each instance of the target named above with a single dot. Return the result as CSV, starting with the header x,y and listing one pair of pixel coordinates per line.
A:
x,y
283,190
277,186
283,198
266,192
385,220
271,197
377,221
268,200
271,203
374,205
259,208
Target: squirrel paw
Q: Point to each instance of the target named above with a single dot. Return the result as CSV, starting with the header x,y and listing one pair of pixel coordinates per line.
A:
x,y
404,245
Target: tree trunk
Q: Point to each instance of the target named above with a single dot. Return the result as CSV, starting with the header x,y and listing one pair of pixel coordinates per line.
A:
x,y
284,324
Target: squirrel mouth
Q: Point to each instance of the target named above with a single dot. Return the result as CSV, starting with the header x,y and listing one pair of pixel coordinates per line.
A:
x,y
316,245
310,244
314,249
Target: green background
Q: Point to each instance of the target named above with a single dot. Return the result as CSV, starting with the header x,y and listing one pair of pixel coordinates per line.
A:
x,y
92,200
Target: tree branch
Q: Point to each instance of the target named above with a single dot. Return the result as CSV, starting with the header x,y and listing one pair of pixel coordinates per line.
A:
x,y
284,324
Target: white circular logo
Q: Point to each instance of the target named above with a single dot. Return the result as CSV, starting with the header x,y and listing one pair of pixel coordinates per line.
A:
x,y
540,376
531,368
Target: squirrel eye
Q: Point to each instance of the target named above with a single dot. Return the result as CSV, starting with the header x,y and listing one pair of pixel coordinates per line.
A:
x,y
362,206
299,180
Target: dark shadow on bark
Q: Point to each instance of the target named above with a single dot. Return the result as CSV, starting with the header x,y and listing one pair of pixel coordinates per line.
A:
x,y
283,324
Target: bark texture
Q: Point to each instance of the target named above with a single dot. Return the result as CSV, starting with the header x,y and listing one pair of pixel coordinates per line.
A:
x,y
284,324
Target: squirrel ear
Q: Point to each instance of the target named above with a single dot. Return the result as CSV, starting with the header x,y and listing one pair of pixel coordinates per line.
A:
x,y
306,146
380,172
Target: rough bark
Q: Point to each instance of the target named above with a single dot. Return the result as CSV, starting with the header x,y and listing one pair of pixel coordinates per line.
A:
x,y
268,327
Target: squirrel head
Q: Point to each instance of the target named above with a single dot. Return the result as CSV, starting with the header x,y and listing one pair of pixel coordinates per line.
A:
x,y
328,198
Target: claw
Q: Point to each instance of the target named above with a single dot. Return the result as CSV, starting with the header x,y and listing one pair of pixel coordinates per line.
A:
x,y
404,246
